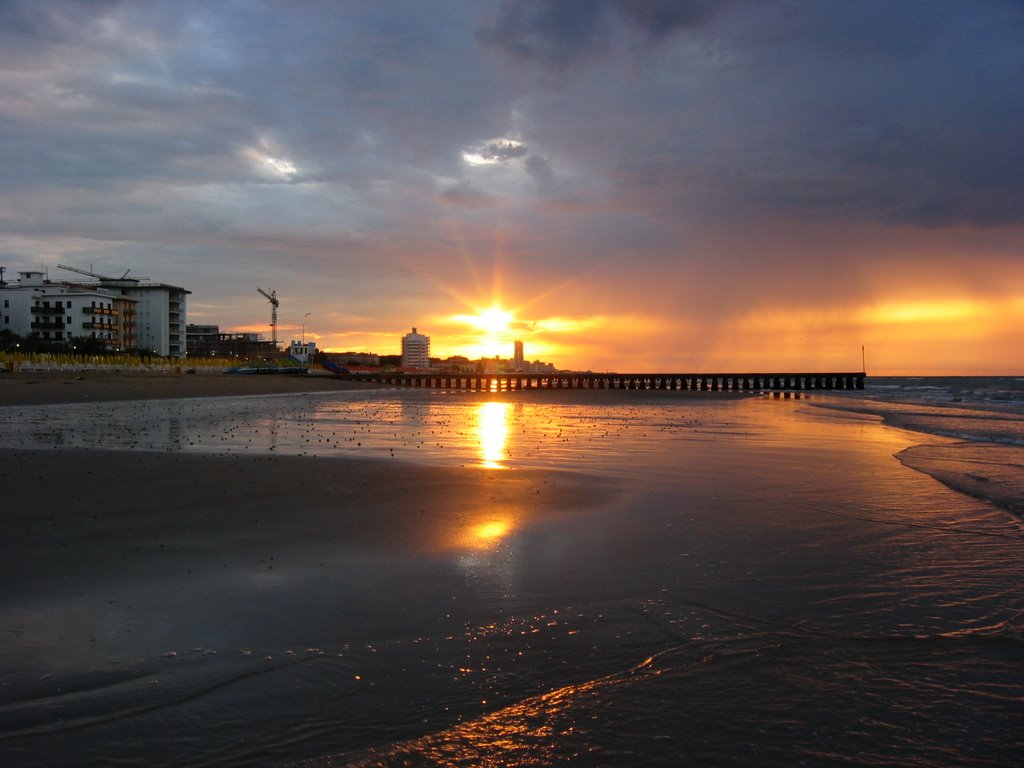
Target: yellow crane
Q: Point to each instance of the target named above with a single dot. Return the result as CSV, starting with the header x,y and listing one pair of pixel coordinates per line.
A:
x,y
274,303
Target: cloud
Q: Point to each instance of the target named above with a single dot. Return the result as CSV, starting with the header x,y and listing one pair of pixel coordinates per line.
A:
x,y
558,35
691,158
465,195
661,18
540,170
554,34
495,151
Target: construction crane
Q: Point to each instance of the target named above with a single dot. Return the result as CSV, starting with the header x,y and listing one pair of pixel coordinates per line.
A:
x,y
101,277
274,303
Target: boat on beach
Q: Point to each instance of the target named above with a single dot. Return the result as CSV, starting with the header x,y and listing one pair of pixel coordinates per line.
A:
x,y
247,370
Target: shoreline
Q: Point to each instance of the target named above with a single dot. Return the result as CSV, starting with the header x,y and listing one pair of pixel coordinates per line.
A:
x,y
983,469
25,389
18,389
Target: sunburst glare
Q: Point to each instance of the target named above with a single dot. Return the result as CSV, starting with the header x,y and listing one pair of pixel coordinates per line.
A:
x,y
491,329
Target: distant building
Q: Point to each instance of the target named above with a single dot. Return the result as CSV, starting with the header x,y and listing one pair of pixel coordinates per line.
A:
x,y
208,341
302,351
457,364
517,356
415,350
365,359
201,340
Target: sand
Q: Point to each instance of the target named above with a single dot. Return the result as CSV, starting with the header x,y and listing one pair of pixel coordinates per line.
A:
x,y
187,512
52,388
166,541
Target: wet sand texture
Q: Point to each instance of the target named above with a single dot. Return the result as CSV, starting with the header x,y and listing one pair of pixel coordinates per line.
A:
x,y
48,389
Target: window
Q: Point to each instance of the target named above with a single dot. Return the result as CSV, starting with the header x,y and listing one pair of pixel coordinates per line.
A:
x,y
7,303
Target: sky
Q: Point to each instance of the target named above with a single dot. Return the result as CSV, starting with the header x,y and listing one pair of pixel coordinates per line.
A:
x,y
623,185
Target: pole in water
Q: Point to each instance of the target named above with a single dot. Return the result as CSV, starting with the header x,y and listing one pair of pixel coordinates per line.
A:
x,y
863,367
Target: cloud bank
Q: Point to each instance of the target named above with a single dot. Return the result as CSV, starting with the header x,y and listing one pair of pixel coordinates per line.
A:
x,y
380,164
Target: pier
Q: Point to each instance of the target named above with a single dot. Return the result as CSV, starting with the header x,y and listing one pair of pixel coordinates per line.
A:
x,y
684,382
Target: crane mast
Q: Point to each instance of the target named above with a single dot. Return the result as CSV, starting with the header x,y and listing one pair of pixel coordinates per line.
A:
x,y
274,304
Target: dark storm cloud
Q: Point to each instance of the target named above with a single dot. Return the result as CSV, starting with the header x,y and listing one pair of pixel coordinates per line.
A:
x,y
611,126
557,34
25,25
660,18
903,114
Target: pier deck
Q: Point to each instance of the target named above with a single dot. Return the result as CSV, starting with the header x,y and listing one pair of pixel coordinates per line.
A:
x,y
689,382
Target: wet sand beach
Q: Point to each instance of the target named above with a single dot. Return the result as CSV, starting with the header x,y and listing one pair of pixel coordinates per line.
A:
x,y
53,388
389,578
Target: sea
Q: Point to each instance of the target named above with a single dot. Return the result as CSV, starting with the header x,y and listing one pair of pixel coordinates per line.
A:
x,y
834,579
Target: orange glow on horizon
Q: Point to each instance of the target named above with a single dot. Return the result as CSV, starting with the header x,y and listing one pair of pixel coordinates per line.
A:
x,y
903,335
925,312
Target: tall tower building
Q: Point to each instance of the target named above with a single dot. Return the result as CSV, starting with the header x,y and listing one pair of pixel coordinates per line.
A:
x,y
517,356
415,350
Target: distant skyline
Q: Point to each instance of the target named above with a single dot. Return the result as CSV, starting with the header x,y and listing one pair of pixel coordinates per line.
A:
x,y
621,184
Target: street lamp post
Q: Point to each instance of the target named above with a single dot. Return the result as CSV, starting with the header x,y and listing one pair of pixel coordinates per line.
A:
x,y
304,326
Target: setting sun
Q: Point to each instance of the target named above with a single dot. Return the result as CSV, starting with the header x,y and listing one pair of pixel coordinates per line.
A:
x,y
493,321
492,331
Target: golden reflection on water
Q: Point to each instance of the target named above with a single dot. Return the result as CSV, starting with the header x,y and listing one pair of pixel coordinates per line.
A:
x,y
490,531
521,735
492,428
492,524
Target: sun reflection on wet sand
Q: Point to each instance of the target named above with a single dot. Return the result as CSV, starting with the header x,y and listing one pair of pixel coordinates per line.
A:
x,y
491,531
492,428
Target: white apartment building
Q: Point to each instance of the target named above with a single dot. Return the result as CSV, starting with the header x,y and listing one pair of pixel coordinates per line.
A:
x,y
61,312
415,350
125,314
161,317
